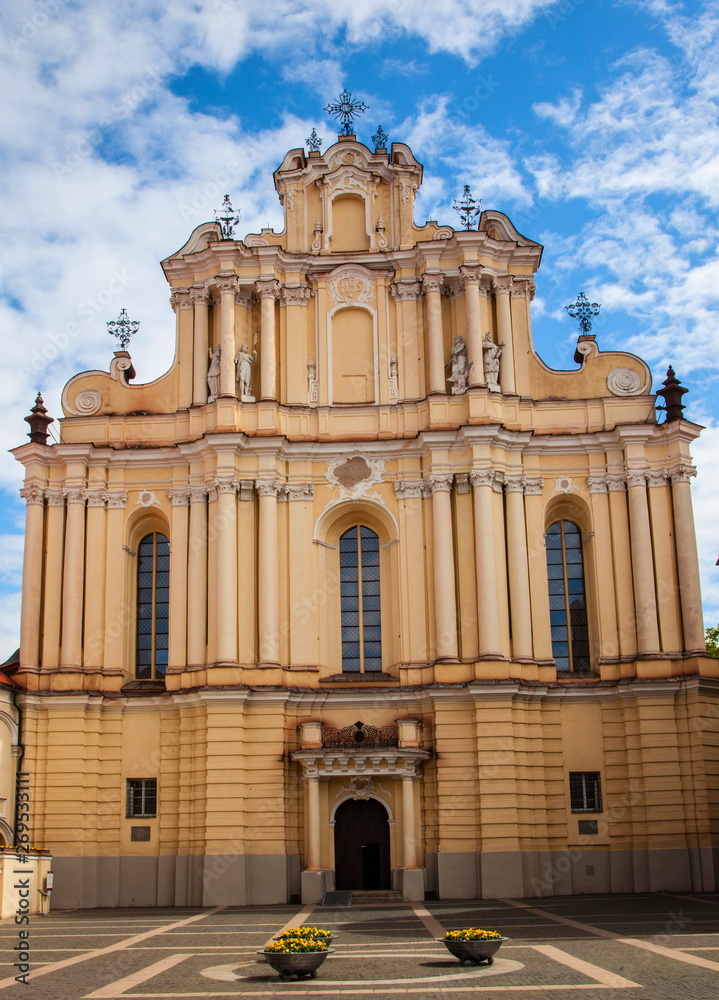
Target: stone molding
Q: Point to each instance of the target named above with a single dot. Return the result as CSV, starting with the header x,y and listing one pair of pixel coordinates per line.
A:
x,y
384,761
226,484
200,296
179,498
616,482
351,285
181,299
657,477
75,494
441,483
502,284
268,487
461,480
296,295
522,288
197,494
470,275
514,484
636,477
226,283
682,473
116,500
95,498
597,484
482,477
533,486
296,491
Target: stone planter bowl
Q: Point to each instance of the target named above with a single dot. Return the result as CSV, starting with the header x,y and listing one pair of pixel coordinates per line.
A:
x,y
474,952
296,964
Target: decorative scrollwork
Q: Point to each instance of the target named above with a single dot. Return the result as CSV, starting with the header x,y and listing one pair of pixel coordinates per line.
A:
x,y
87,402
360,735
624,382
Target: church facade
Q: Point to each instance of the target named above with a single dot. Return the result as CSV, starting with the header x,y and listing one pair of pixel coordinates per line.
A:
x,y
360,594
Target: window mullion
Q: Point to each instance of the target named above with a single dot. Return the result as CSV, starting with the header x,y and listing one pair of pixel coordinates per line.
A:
x,y
360,603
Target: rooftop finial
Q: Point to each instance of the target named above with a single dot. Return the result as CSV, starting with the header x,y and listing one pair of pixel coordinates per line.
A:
x,y
123,328
39,422
345,110
672,395
468,208
314,141
582,310
380,138
229,219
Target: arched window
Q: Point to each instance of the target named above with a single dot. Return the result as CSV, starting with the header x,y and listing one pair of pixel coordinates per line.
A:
x,y
153,606
360,601
567,597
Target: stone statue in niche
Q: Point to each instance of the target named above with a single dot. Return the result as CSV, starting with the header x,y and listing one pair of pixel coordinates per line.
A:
x,y
243,372
213,372
460,367
393,367
491,353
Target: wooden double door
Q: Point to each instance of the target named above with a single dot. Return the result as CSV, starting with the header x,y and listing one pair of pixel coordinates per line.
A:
x,y
362,853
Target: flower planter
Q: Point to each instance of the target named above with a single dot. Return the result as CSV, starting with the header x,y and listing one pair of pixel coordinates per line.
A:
x,y
474,952
296,964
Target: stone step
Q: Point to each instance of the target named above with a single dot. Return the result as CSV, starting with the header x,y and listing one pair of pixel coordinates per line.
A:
x,y
369,897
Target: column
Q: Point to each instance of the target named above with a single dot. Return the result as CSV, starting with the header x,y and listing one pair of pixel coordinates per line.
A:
x,y
295,299
602,548
687,563
313,824
537,566
268,290
52,610
410,352
432,289
200,298
95,579
518,569
118,565
226,598
409,841
490,642
227,286
502,289
177,653
445,601
197,578
645,602
181,302
268,573
471,277
621,557
73,577
34,497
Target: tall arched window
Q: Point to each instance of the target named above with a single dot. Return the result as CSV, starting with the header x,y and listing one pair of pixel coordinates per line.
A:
x,y
153,606
360,600
567,598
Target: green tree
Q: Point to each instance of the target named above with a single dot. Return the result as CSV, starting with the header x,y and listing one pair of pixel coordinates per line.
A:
x,y
712,641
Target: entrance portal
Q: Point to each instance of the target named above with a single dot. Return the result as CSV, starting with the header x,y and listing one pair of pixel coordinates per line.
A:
x,y
362,845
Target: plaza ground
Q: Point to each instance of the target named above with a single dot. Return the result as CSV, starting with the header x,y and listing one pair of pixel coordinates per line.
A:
x,y
651,947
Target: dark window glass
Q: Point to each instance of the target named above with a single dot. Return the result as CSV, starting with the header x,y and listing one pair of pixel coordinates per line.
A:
x,y
153,596
360,600
567,604
585,792
141,797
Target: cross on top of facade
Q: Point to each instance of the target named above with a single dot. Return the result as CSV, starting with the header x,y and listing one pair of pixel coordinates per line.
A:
x,y
582,310
468,208
346,110
227,217
123,328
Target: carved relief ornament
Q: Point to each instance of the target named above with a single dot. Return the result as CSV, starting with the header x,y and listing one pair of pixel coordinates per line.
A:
x,y
408,489
296,295
350,284
682,473
432,283
33,494
405,290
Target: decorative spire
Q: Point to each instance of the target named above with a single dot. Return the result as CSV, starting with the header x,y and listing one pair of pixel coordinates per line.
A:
x,y
229,219
468,208
314,141
39,422
345,110
672,394
123,328
380,138
582,310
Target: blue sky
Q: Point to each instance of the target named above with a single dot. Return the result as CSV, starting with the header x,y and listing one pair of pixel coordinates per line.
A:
x,y
592,124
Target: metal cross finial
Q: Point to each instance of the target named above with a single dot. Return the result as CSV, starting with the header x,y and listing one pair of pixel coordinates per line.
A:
x,y
583,310
314,141
345,110
468,208
229,220
123,329
380,138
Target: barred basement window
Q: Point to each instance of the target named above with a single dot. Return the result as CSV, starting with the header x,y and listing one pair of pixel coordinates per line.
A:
x,y
360,601
141,797
585,793
567,601
153,606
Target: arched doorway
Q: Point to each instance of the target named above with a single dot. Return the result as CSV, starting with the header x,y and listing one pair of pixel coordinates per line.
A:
x,y
362,858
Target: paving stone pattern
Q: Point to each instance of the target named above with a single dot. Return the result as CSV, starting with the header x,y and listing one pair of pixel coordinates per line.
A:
x,y
387,950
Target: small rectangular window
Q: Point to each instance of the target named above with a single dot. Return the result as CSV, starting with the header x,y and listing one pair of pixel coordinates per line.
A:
x,y
141,797
585,791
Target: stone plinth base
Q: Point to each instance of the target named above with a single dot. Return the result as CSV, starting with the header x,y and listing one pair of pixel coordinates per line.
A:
x,y
411,883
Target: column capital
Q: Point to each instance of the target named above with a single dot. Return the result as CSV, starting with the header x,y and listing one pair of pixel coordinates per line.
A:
x,y
268,288
33,494
636,477
616,483
179,498
405,290
226,283
226,484
115,500
197,494
514,484
268,487
245,296
432,283
522,288
470,274
461,481
200,296
295,295
411,488
597,484
75,495
533,486
95,498
682,473
657,477
441,483
181,299
296,491
482,477
502,284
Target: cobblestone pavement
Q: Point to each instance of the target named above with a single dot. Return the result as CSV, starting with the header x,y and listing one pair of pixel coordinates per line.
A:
x,y
659,947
